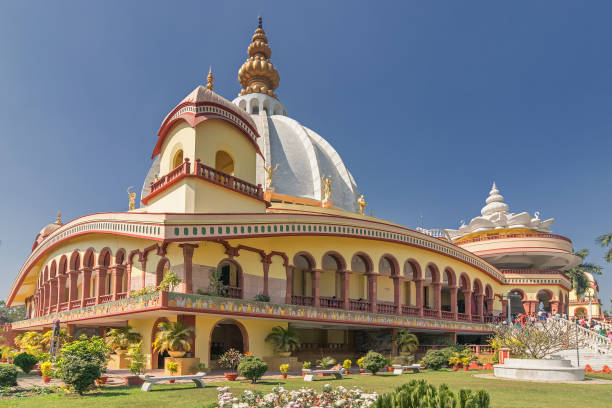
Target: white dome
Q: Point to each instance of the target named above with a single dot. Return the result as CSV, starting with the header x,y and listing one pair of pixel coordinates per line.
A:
x,y
302,155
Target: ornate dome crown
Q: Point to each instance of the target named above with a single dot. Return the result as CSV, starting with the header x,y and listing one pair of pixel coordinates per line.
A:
x,y
257,74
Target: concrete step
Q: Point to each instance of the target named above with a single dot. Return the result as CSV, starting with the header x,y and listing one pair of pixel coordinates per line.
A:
x,y
594,359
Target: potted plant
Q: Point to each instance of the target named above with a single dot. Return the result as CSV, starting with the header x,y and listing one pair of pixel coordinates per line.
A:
x,y
465,361
137,365
284,340
169,282
407,343
284,368
305,366
173,337
347,364
230,360
119,340
360,365
389,361
47,371
456,360
172,367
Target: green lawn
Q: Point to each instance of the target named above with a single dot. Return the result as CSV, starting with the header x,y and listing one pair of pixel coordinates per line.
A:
x,y
503,393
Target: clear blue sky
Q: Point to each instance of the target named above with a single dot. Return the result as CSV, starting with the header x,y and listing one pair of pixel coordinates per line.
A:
x,y
427,102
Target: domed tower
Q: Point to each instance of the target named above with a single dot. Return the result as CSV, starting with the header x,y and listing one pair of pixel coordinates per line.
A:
x,y
303,157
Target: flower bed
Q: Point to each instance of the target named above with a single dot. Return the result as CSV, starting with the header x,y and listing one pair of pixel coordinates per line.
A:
x,y
304,397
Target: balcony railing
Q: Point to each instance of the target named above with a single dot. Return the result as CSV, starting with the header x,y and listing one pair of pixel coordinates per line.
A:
x,y
430,313
504,236
229,181
75,304
106,298
302,300
448,315
63,306
476,318
90,301
359,305
385,308
331,302
410,310
462,317
167,179
122,295
234,292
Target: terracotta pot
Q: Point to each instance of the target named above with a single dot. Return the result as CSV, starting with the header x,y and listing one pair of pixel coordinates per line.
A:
x,y
171,381
361,371
132,380
103,379
230,376
455,368
284,375
389,368
465,368
46,379
176,354
39,373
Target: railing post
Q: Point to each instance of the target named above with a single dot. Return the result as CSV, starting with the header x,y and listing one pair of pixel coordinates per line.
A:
x,y
316,274
186,165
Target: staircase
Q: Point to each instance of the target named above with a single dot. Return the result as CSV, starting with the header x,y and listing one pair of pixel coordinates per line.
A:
x,y
598,350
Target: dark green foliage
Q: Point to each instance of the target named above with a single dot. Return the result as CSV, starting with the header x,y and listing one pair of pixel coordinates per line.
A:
x,y
8,375
80,374
252,367
374,362
435,359
25,361
260,297
419,394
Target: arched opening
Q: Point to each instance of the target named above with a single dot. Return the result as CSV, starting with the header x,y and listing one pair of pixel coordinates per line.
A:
x,y
429,295
464,289
227,334
230,274
385,287
361,265
448,281
163,266
330,281
516,302
224,162
177,160
157,359
544,297
580,312
411,274
63,268
302,289
476,298
254,106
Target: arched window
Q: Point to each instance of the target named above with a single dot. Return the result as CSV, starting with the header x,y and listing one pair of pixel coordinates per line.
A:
x,y
177,160
224,162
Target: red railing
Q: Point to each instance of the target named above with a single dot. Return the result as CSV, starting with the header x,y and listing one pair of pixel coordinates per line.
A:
x,y
302,300
476,348
494,319
430,313
385,308
181,169
462,317
106,298
234,292
448,315
503,236
229,181
476,318
330,302
121,296
481,349
75,304
359,305
90,301
63,306
410,310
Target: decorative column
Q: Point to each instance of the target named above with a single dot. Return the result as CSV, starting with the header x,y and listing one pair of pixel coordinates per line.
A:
x,y
188,265
453,301
86,285
504,303
61,290
397,301
101,282
467,295
316,275
128,280
437,286
117,275
345,279
289,287
554,306
73,292
480,303
489,303
419,295
266,261
372,295
53,296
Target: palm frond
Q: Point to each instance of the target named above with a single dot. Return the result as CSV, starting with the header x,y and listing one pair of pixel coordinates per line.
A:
x,y
604,240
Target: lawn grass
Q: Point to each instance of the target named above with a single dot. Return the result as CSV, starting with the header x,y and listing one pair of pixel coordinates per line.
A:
x,y
503,393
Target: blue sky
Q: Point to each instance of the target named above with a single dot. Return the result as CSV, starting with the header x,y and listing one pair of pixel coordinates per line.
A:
x,y
428,103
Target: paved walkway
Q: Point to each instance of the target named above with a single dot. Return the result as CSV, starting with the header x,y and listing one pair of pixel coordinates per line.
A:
x,y
587,381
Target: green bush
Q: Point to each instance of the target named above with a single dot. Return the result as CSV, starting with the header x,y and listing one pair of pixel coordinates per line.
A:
x,y
252,367
419,394
374,362
80,374
25,361
8,375
436,359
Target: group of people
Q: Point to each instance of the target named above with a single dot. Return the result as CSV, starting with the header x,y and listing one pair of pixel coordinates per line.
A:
x,y
524,318
593,325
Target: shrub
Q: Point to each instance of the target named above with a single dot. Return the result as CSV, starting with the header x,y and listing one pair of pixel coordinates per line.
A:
x,y
360,362
46,369
284,368
80,374
306,365
26,362
138,361
436,359
8,375
347,365
253,368
260,297
172,367
326,362
374,362
230,359
417,394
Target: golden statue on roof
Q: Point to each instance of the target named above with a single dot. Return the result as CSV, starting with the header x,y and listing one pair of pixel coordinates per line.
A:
x,y
326,182
362,204
269,175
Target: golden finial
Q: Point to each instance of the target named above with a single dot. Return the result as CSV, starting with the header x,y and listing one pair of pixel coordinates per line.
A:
x,y
257,74
209,79
132,198
362,205
59,218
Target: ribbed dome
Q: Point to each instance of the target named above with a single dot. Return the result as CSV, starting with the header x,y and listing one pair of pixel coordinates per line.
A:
x,y
48,230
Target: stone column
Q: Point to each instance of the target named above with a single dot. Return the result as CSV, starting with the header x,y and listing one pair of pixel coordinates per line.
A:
x,y
86,289
53,295
188,265
117,274
289,287
480,305
397,301
61,290
467,295
372,295
345,276
504,303
128,280
266,261
453,300
316,275
101,282
489,303
419,295
73,293
437,287
554,306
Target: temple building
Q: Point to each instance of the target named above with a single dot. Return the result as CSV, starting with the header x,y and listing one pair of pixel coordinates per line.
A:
x,y
241,196
589,305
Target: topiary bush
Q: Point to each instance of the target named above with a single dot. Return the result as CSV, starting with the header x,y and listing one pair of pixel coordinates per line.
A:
x,y
8,375
80,374
374,362
252,367
25,361
435,359
82,362
419,394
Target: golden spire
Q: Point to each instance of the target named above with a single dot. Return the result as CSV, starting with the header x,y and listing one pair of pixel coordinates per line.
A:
x,y
209,79
257,74
59,218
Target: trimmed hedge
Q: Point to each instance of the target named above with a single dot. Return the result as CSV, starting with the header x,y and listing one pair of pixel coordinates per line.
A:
x,y
8,375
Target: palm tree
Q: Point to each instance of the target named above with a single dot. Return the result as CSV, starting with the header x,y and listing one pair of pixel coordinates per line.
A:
x,y
406,341
577,274
173,337
120,339
605,240
283,340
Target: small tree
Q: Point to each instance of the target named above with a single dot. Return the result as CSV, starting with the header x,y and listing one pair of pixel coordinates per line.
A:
x,y
25,361
374,362
283,340
8,375
406,341
138,361
252,368
230,359
169,282
172,367
215,284
326,362
172,336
